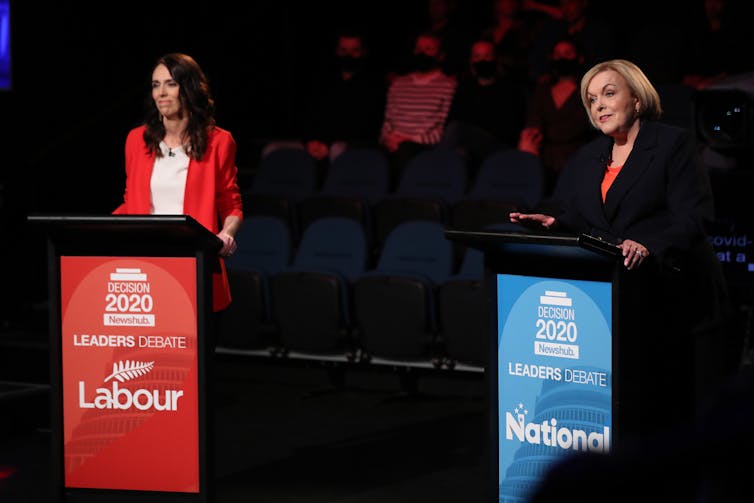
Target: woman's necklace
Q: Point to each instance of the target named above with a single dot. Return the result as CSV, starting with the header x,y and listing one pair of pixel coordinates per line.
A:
x,y
173,142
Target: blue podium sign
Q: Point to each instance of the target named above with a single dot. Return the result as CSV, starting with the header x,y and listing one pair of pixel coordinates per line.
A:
x,y
554,375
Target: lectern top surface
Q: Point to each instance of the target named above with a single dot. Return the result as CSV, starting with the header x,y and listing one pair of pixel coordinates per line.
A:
x,y
110,219
494,236
127,230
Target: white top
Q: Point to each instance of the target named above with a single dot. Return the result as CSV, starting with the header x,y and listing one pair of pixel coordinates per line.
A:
x,y
168,184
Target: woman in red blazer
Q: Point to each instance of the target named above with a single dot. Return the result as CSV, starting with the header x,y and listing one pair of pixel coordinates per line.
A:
x,y
641,185
180,162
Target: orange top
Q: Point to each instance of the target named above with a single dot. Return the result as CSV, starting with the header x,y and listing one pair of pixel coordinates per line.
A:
x,y
610,173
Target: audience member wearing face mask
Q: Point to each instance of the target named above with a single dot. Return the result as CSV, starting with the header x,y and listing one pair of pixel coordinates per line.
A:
x,y
555,124
488,109
417,105
344,108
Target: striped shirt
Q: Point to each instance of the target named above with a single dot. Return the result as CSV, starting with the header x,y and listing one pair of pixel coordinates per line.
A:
x,y
419,108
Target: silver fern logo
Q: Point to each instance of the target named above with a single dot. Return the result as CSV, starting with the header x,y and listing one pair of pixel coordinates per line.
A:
x,y
124,398
125,371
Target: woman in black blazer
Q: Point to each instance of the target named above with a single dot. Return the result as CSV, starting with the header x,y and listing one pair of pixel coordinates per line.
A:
x,y
642,186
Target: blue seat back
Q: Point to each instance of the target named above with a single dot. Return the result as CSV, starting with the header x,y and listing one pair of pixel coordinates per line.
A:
x,y
264,244
360,172
472,265
289,172
437,174
510,175
417,247
334,244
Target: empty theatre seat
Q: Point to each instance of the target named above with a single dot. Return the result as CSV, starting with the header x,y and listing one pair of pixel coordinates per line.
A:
x,y
507,180
312,298
396,302
433,180
354,181
464,315
283,178
264,249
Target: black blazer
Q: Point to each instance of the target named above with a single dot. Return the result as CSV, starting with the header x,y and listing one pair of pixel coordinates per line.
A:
x,y
662,197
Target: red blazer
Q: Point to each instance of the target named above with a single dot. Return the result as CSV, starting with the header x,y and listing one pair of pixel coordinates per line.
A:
x,y
211,195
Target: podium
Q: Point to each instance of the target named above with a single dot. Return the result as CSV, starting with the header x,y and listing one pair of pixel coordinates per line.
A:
x,y
554,363
130,355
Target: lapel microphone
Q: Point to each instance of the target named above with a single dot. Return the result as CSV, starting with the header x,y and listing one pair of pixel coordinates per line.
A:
x,y
170,152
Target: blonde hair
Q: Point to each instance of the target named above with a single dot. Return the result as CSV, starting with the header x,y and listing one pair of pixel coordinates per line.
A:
x,y
641,88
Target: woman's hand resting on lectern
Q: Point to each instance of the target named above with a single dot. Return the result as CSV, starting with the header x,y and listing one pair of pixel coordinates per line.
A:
x,y
634,253
533,219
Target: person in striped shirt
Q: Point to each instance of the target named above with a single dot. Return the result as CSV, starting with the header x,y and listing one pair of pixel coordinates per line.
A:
x,y
417,104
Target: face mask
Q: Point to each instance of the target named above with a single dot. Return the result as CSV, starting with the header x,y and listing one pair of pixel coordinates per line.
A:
x,y
349,63
424,63
565,67
485,69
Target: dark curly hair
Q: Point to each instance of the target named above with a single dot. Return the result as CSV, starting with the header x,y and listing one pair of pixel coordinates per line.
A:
x,y
196,100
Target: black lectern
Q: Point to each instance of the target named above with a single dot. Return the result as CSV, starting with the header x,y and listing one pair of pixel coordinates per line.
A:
x,y
130,304
553,364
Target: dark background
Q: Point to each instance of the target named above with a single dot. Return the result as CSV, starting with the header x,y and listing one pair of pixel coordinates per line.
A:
x,y
81,70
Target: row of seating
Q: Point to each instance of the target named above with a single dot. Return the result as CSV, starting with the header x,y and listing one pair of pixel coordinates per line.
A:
x,y
321,299
434,185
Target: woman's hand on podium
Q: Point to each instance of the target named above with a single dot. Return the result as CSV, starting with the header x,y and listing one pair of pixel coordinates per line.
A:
x,y
634,253
229,244
227,235
532,219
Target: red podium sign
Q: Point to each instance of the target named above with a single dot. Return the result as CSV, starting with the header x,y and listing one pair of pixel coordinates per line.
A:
x,y
130,373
